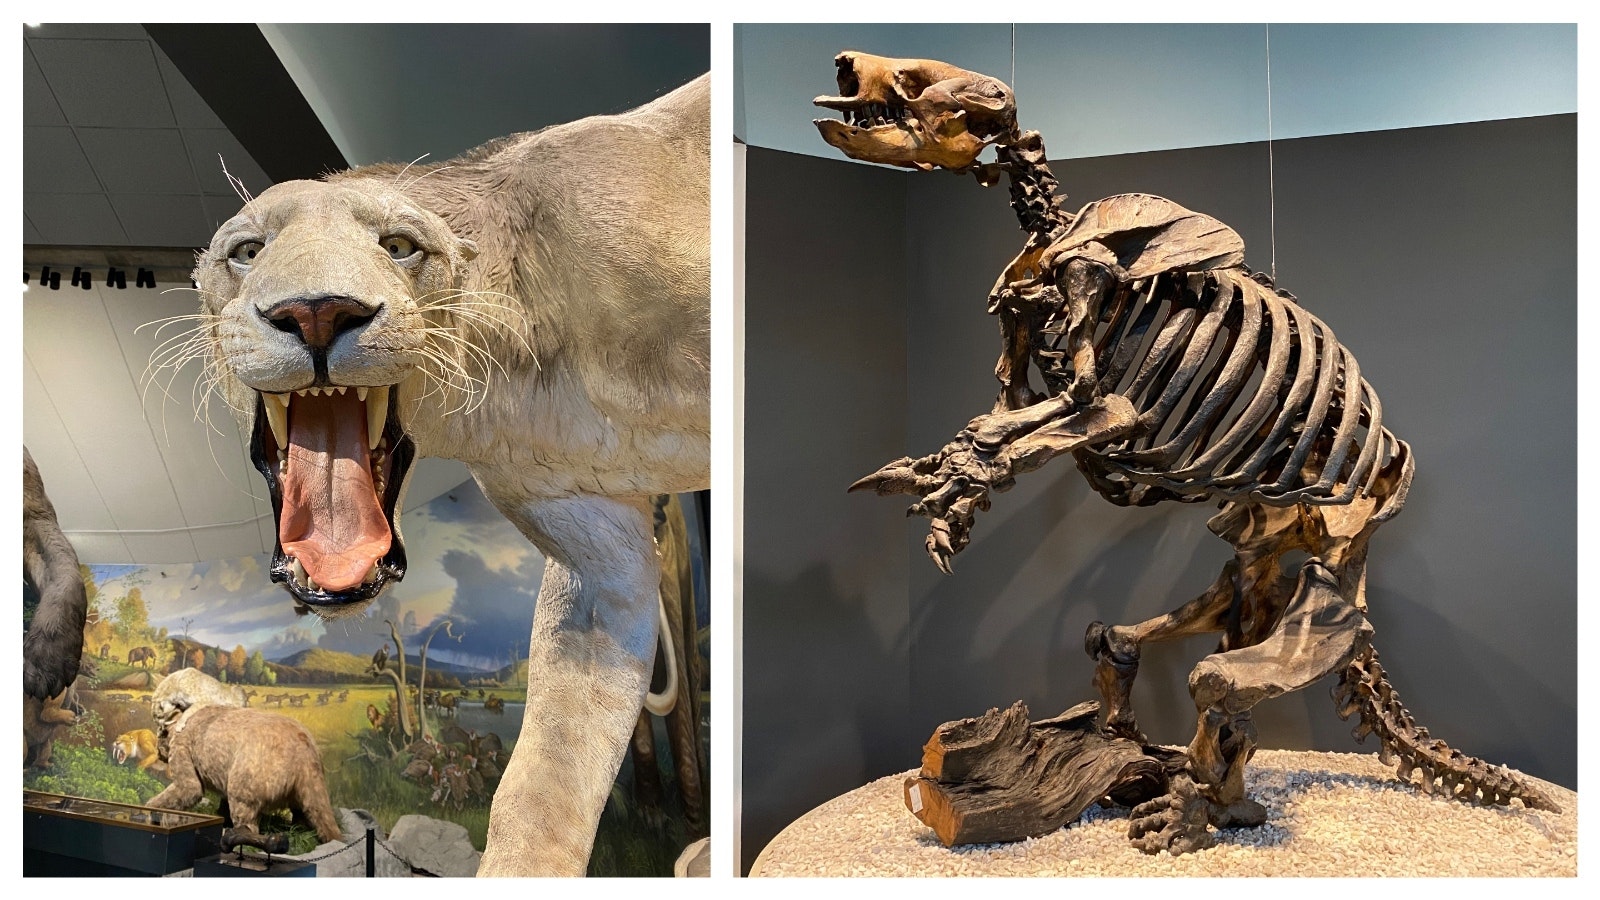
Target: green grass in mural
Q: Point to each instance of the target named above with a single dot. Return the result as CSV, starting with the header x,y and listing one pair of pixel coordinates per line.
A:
x,y
80,771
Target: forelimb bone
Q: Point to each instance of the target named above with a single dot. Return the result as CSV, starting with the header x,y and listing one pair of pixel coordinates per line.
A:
x,y
986,456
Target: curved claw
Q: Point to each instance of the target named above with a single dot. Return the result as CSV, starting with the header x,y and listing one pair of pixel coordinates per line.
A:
x,y
897,477
938,544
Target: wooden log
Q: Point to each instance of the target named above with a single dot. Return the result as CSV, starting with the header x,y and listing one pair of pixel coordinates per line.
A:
x,y
999,777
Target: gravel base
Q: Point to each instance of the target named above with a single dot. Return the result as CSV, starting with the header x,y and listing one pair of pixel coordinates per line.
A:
x,y
1328,814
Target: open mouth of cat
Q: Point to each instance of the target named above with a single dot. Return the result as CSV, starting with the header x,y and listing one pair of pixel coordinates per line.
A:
x,y
336,459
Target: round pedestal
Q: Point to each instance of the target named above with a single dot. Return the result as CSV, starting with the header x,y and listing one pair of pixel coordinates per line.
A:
x,y
1328,814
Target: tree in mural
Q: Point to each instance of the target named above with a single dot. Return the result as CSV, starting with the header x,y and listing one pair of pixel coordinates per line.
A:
x,y
133,619
236,663
255,668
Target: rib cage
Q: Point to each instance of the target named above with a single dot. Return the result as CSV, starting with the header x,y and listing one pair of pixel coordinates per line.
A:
x,y
1241,394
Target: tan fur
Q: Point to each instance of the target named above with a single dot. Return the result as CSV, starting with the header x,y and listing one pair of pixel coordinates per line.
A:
x,y
136,746
584,250
257,760
190,687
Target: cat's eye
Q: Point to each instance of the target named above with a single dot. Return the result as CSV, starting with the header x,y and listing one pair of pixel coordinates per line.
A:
x,y
245,252
398,247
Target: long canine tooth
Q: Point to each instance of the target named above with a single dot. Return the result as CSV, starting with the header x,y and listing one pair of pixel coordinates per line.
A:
x,y
372,575
377,414
277,407
300,576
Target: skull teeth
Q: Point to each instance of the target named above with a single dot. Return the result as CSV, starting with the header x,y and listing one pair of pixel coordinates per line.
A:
x,y
297,571
377,415
277,407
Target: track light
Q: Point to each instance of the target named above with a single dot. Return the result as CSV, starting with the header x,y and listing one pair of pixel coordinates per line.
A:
x,y
145,278
116,278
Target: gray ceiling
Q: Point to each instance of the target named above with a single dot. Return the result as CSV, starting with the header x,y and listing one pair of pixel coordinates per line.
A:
x,y
118,149
121,151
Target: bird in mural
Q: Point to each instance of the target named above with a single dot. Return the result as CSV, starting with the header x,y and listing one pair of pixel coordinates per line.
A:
x,y
381,658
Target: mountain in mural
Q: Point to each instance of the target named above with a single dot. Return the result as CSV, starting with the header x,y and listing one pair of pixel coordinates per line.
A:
x,y
319,660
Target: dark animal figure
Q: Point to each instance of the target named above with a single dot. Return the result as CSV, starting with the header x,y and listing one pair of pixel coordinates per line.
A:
x,y
145,656
53,645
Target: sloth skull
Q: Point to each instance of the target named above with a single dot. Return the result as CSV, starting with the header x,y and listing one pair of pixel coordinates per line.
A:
x,y
916,113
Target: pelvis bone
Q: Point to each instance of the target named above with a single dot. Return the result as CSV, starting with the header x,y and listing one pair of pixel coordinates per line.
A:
x,y
916,113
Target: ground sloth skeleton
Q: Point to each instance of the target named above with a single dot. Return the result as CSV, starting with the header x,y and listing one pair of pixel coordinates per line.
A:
x,y
1169,371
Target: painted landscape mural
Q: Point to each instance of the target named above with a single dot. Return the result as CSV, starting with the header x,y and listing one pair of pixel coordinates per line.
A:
x,y
415,705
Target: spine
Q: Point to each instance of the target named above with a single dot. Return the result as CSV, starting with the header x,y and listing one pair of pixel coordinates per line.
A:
x,y
1363,689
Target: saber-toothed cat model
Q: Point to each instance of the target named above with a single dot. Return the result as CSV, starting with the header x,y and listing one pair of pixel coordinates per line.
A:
x,y
537,308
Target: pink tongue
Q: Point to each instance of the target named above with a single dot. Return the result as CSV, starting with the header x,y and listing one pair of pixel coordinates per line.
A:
x,y
331,521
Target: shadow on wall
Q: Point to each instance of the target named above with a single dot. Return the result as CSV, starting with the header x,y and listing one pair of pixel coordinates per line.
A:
x,y
826,735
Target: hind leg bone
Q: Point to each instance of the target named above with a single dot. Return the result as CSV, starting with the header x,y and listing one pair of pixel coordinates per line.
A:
x,y
1243,604
1319,633
1115,648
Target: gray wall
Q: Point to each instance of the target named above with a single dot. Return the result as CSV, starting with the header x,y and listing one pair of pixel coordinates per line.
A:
x,y
826,680
1444,257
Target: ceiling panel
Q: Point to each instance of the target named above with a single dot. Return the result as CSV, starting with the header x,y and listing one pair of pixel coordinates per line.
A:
x,y
66,479
224,543
72,345
89,31
105,83
139,160
55,164
30,234
39,106
105,111
154,549
95,549
164,220
74,219
216,481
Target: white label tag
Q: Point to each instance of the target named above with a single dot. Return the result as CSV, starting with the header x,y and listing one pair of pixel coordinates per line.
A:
x,y
916,798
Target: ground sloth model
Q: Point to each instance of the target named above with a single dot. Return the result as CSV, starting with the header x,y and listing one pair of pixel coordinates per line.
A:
x,y
257,760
